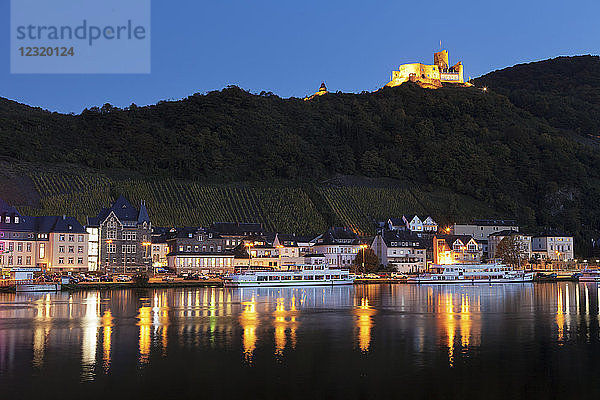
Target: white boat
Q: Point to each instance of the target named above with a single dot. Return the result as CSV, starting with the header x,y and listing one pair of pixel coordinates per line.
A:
x,y
590,275
38,287
472,273
298,275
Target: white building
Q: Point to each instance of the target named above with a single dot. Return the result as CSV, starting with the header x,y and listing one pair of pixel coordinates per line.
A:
x,y
551,246
401,250
339,246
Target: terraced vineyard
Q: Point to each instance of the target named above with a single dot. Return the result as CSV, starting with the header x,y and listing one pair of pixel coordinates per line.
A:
x,y
284,208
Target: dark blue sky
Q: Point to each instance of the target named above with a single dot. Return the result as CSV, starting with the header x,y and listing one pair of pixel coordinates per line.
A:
x,y
290,47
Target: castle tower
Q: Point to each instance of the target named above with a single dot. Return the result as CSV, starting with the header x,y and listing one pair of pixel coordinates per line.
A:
x,y
322,90
441,60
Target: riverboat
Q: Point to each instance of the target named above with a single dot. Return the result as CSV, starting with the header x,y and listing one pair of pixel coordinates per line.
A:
x,y
472,273
299,275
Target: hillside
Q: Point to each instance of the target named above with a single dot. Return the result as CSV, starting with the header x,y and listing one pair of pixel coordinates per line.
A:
x,y
453,153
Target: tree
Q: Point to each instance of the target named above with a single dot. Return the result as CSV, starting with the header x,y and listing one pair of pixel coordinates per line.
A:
x,y
371,261
512,250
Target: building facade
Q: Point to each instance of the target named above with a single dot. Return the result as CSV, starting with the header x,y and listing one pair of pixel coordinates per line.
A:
x,y
339,245
48,244
403,251
124,237
452,249
553,247
481,229
522,240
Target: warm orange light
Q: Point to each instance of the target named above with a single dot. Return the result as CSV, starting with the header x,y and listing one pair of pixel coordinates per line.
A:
x,y
109,241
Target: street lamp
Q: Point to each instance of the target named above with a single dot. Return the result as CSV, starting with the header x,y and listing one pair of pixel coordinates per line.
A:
x,y
146,244
249,245
279,247
363,247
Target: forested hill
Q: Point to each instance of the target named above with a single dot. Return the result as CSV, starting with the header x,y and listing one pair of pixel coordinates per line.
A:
x,y
516,147
565,91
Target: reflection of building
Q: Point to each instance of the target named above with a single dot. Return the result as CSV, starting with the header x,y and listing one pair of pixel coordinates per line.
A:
x,y
450,249
402,251
553,246
430,76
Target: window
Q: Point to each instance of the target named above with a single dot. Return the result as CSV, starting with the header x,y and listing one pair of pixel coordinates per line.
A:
x,y
71,238
29,247
1,246
7,219
80,249
79,260
19,260
61,238
71,249
61,260
111,234
28,260
61,249
80,238
19,247
71,260
42,250
111,248
11,246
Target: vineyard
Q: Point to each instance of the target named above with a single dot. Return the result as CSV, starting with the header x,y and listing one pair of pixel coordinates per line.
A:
x,y
283,208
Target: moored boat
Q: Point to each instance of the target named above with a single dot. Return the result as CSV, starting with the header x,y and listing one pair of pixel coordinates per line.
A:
x,y
472,273
299,275
589,275
38,287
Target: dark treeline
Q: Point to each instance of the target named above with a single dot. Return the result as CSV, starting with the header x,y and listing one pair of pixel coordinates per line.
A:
x,y
523,146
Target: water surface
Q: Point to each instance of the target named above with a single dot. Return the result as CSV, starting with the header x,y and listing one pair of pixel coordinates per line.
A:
x,y
378,341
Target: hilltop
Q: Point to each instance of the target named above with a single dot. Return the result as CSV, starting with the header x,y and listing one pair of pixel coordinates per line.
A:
x,y
520,149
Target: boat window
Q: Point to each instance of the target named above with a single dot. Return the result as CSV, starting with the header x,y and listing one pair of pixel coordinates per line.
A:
x,y
261,278
307,277
319,277
327,276
298,278
335,277
286,278
274,278
307,268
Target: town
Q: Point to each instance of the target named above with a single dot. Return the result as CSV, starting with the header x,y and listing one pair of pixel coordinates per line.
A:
x,y
121,240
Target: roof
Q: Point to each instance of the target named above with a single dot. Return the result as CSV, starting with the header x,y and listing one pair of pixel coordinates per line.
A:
x,y
124,211
490,222
338,235
46,224
450,239
56,224
237,228
507,232
402,239
553,233
396,221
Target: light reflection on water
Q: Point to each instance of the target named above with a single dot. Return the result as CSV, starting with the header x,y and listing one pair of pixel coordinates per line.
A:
x,y
434,320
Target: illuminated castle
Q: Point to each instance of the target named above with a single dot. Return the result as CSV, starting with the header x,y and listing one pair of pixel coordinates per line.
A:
x,y
430,76
322,90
